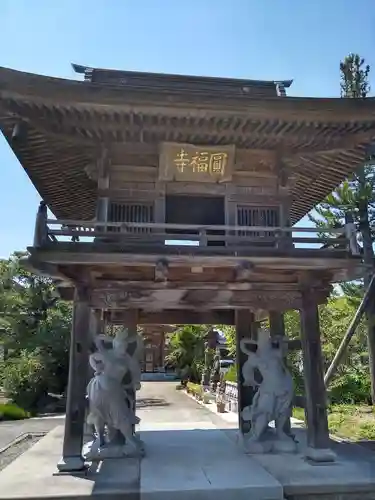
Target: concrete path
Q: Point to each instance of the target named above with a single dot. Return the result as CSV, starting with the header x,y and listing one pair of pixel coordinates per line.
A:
x,y
188,456
191,452
157,401
11,430
161,403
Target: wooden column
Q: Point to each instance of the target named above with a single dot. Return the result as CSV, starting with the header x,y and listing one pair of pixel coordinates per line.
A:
x,y
245,329
130,321
160,205
277,328
277,325
102,206
162,347
76,405
316,408
40,232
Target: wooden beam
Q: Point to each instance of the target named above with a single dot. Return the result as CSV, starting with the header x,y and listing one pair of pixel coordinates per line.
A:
x,y
256,286
90,254
180,317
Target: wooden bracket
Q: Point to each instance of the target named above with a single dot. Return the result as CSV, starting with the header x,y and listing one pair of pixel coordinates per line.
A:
x,y
161,270
243,271
294,344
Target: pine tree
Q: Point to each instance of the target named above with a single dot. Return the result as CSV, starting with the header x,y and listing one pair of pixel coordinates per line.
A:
x,y
357,195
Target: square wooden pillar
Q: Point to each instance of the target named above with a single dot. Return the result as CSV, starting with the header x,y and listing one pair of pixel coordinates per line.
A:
x,y
277,325
318,441
130,321
80,339
277,328
245,329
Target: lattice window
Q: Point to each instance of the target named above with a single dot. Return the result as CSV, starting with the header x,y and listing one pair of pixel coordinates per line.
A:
x,y
132,212
257,216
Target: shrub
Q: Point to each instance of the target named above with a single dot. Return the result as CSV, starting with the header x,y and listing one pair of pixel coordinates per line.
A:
x,y
24,380
352,388
10,411
195,389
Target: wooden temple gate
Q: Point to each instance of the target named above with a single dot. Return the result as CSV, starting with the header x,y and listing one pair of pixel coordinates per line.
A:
x,y
134,166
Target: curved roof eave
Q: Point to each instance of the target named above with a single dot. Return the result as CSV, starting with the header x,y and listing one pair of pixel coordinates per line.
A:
x,y
18,85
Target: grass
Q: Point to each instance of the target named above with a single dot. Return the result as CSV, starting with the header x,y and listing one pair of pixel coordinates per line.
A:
x,y
299,413
9,411
348,421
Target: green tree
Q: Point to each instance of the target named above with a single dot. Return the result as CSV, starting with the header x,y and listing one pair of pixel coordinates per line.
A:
x,y
357,195
352,381
186,350
229,333
34,333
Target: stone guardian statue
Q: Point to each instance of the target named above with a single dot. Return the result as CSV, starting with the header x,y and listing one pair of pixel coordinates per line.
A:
x,y
111,403
273,398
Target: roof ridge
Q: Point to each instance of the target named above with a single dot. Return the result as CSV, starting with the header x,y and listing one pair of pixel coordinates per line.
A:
x,y
81,69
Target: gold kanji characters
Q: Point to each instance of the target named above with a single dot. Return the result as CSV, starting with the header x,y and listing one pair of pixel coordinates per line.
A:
x,y
201,162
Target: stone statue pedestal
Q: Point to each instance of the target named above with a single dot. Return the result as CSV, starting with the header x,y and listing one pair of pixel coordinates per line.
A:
x,y
94,453
269,443
320,455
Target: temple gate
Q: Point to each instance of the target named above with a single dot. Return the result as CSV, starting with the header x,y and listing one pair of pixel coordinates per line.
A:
x,y
175,199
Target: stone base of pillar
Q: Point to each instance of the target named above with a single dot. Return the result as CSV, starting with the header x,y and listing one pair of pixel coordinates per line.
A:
x,y
71,464
320,455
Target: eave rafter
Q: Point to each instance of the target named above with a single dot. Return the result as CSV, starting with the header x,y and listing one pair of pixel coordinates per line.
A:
x,y
111,124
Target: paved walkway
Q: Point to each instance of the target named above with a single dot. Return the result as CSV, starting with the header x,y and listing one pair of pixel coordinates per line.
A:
x,y
190,453
187,456
11,430
157,402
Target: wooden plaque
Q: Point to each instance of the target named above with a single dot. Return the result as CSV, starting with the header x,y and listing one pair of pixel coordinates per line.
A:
x,y
189,163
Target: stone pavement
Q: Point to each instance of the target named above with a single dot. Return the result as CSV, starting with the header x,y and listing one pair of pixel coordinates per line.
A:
x,y
187,455
191,452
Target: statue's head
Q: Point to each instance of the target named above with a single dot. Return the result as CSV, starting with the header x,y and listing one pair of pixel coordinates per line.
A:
x,y
119,342
264,340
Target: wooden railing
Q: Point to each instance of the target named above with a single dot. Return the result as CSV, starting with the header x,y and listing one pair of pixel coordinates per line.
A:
x,y
133,233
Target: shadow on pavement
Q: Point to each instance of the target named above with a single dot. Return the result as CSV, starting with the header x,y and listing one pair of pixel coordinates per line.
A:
x,y
149,402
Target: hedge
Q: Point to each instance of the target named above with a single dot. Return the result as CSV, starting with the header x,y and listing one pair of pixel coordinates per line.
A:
x,y
9,411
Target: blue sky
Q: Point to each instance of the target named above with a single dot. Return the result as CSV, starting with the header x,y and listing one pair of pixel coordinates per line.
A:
x,y
259,39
